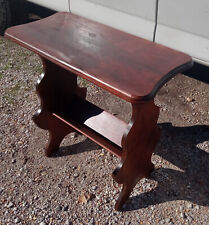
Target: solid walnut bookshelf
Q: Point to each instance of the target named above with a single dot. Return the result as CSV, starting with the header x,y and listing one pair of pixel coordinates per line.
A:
x,y
130,67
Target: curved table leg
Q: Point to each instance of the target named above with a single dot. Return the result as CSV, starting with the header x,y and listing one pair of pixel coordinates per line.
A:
x,y
138,145
57,131
56,88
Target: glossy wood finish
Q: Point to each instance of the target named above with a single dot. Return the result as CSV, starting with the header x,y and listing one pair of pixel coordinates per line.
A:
x,y
56,88
138,143
64,110
100,126
130,67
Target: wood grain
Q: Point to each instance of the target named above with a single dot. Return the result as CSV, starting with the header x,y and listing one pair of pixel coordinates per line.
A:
x,y
138,143
127,66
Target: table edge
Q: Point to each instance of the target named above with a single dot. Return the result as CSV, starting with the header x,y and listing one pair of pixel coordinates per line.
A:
x,y
124,95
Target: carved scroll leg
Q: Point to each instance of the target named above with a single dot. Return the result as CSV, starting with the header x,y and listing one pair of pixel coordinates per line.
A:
x,y
129,174
134,168
124,195
57,131
56,88
138,145
40,118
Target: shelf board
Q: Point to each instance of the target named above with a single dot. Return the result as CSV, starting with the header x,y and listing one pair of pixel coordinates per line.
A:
x,y
97,124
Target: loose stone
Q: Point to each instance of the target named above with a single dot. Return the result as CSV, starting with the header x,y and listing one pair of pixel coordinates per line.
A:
x,y
17,220
10,205
42,223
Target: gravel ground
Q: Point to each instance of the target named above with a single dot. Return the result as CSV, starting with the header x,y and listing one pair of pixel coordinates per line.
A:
x,y
75,186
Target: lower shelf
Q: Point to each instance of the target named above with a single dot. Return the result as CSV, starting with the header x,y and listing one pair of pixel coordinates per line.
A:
x,y
95,123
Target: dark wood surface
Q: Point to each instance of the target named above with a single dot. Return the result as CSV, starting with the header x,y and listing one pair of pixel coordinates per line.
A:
x,y
95,118
98,138
138,144
95,123
128,66
64,110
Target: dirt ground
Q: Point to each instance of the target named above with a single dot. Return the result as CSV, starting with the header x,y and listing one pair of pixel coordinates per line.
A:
x,y
75,186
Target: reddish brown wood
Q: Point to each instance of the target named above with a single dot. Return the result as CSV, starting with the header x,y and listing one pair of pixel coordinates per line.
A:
x,y
100,126
128,66
56,89
138,144
96,137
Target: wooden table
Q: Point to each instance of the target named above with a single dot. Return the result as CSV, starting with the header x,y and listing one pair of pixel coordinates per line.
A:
x,y
127,66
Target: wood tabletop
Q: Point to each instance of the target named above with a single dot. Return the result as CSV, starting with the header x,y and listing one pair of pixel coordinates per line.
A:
x,y
128,66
